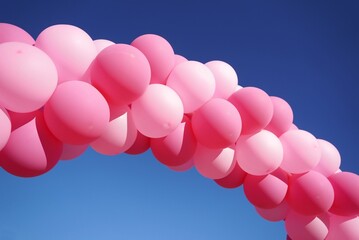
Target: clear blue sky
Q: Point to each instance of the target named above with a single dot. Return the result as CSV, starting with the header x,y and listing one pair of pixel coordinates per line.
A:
x,y
306,52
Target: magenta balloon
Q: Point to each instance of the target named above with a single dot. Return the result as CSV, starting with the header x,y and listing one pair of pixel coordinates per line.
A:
x,y
141,145
310,193
330,159
226,78
121,73
305,227
301,151
265,191
275,214
159,53
101,44
214,163
31,150
28,77
179,59
346,194
255,107
259,154
71,49
70,152
217,124
182,168
234,179
77,113
282,119
194,83
12,33
343,228
158,111
5,128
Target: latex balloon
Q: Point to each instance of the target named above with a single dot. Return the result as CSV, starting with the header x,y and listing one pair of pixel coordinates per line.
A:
x,y
255,107
179,59
77,113
70,152
28,89
194,83
217,124
301,151
275,214
71,49
182,168
282,119
343,228
234,179
330,159
19,119
5,129
12,33
141,144
158,111
101,44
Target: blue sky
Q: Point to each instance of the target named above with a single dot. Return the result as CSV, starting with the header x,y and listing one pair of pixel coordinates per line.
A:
x,y
306,52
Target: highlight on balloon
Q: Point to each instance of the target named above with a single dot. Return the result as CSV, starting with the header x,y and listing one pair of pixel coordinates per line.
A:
x,y
64,92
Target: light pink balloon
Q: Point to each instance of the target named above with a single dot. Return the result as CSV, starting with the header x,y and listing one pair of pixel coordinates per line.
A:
x,y
182,168
217,124
121,73
179,59
194,83
158,111
214,163
12,33
282,119
77,113
255,107
71,49
305,227
28,77
141,145
346,194
101,44
275,214
259,154
301,151
330,159
70,152
5,128
343,228
234,179
310,193
226,78
159,53
31,150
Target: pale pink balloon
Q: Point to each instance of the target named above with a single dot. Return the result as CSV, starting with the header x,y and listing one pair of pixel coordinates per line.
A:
x,y
226,78
234,179
159,53
275,214
141,145
70,152
121,73
301,151
259,154
293,127
158,111
194,83
71,49
214,163
12,33
305,227
282,119
179,59
346,194
217,124
343,228
177,147
184,167
101,44
77,113
310,193
330,159
31,150
255,107
28,77
5,128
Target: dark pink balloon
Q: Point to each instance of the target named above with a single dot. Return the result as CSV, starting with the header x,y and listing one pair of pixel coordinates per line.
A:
x,y
182,168
5,128
12,33
19,119
282,118
141,145
275,214
343,228
234,179
70,152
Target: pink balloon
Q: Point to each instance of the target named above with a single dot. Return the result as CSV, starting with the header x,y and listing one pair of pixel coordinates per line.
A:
x,y
282,119
121,73
101,44
234,179
179,59
226,78
159,53
177,147
255,107
305,227
194,83
217,124
346,194
12,33
141,145
330,159
310,193
158,111
19,119
293,127
31,150
301,151
275,214
28,77
182,168
5,128
71,49
259,154
77,113
214,163
70,152
343,228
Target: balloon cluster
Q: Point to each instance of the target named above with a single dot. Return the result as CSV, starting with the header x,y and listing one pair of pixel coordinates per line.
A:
x,y
65,91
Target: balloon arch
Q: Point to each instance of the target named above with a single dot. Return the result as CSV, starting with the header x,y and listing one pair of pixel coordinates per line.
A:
x,y
65,91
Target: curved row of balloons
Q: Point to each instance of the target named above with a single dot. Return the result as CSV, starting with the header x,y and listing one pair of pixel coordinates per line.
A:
x,y
65,91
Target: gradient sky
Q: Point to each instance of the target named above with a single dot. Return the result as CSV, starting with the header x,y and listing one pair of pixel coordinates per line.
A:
x,y
306,52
